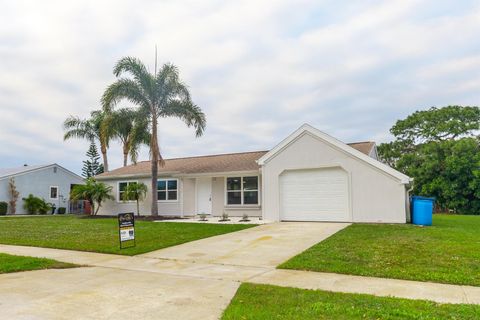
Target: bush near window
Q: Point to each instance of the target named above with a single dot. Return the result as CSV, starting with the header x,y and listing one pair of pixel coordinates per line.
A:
x,y
34,205
3,208
61,210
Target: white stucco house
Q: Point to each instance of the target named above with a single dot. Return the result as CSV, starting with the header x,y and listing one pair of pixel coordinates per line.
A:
x,y
309,176
51,182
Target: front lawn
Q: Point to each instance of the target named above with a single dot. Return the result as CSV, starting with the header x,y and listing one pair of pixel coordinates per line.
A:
x,y
10,263
258,302
101,234
447,252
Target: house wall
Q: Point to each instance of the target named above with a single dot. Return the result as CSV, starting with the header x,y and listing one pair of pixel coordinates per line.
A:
x,y
188,195
375,195
114,207
219,204
38,183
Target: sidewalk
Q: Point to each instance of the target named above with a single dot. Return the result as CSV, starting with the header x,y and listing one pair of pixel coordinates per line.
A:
x,y
442,293
157,264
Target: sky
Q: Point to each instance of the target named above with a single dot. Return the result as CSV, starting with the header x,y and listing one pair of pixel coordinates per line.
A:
x,y
258,69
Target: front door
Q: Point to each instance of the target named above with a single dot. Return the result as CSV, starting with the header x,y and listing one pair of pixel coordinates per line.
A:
x,y
204,195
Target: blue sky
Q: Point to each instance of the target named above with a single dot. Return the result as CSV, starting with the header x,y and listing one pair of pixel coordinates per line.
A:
x,y
259,69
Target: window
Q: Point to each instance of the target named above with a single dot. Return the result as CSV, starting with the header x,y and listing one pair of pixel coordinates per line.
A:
x,y
167,189
122,187
242,190
53,192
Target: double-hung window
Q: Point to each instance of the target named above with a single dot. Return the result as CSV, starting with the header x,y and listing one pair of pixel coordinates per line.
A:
x,y
167,189
122,187
242,190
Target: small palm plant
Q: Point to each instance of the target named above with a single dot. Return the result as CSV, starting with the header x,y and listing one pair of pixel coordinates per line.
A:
x,y
137,192
245,218
93,191
224,217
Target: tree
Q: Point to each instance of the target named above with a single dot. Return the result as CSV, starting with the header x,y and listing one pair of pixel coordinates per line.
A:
x,y
440,149
437,124
158,95
93,191
131,129
14,194
93,129
91,166
137,192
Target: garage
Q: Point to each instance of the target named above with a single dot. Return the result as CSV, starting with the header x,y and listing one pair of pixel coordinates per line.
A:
x,y
311,176
314,195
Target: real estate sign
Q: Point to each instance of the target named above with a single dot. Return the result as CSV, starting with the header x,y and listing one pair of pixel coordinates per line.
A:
x,y
126,228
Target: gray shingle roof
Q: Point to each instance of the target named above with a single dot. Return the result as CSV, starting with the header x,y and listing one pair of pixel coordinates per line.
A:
x,y
6,172
244,161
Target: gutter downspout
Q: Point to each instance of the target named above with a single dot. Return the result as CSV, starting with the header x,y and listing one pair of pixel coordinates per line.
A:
x,y
407,202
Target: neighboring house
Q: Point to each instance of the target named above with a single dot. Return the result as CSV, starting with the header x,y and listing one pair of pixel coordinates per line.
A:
x,y
309,176
50,182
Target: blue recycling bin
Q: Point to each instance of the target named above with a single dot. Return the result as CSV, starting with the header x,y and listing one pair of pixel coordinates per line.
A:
x,y
422,210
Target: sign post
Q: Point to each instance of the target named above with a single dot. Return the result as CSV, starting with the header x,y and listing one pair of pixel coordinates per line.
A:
x,y
126,228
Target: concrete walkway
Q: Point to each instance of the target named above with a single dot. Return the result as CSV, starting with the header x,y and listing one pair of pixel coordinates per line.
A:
x,y
195,280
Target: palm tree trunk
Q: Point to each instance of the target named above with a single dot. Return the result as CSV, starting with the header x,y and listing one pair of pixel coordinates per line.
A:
x,y
125,159
103,149
138,208
154,150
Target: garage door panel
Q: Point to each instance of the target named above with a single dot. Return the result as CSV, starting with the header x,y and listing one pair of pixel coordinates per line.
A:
x,y
314,195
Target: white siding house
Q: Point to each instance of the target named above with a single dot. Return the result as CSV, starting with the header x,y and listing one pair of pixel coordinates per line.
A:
x,y
51,182
309,176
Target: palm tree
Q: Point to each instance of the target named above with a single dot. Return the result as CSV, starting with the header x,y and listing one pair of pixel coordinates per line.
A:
x,y
137,192
158,95
93,191
132,131
93,129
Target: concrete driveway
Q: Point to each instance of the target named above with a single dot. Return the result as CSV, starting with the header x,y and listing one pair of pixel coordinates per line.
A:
x,y
195,280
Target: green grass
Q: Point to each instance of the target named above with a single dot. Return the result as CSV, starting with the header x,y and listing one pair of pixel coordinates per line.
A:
x,y
447,252
10,263
101,234
259,302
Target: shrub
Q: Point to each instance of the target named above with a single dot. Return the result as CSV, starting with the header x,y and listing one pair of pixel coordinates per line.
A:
x,y
3,208
203,216
61,210
44,207
245,218
224,217
34,205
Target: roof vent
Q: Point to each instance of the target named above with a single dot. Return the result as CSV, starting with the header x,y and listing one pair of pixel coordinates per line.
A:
x,y
25,165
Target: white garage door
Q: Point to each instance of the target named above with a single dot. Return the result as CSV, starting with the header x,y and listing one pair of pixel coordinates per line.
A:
x,y
314,195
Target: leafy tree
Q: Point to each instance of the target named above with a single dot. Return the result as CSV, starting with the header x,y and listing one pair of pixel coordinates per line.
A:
x,y
93,129
91,166
440,149
137,192
158,95
93,191
437,124
131,129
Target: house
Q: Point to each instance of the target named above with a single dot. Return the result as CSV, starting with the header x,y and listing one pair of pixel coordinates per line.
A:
x,y
309,176
51,182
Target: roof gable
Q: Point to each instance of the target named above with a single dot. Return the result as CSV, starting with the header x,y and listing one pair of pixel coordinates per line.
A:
x,y
12,172
349,149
